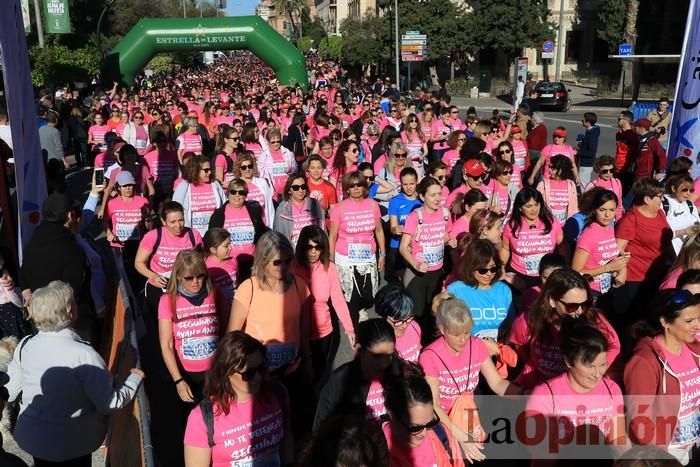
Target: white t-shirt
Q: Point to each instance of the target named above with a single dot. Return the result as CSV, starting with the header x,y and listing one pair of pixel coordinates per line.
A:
x,y
680,215
6,135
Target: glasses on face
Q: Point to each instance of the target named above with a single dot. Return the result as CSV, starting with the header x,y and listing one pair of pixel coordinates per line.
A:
x,y
688,190
370,179
336,138
505,151
454,112
441,178
480,178
250,373
401,322
507,172
299,187
558,136
573,307
246,166
311,247
355,151
415,429
238,192
235,139
138,117
279,262
275,142
206,170
357,185
372,135
394,111
400,155
199,277
605,171
492,270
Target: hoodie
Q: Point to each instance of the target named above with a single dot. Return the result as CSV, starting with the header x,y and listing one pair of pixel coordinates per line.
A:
x,y
647,375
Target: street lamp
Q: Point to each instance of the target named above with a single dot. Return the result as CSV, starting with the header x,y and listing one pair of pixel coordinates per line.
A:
x,y
396,40
99,26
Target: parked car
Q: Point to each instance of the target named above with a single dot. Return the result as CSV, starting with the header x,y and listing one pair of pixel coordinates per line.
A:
x,y
553,94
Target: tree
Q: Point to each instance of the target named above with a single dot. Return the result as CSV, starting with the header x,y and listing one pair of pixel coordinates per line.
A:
x,y
364,41
304,44
312,28
162,63
292,9
612,17
56,63
331,47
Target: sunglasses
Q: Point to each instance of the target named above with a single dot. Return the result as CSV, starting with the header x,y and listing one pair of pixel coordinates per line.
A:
x,y
279,262
415,429
507,172
686,190
276,142
235,139
250,373
557,136
299,187
370,179
199,277
238,192
400,155
394,111
506,151
311,247
492,270
335,138
480,177
573,307
155,115
454,112
441,178
247,167
606,171
138,117
357,185
372,134
355,151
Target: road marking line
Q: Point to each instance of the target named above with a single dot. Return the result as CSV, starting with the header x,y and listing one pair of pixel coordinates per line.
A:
x,y
602,125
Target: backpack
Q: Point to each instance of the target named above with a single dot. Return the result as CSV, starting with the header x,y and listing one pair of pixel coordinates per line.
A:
x,y
419,213
207,409
667,207
159,237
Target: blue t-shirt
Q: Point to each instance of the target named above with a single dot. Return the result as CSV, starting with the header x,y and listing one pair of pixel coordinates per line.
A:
x,y
401,207
489,308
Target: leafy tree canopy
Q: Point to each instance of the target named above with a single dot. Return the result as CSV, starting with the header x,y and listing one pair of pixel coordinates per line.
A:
x,y
612,16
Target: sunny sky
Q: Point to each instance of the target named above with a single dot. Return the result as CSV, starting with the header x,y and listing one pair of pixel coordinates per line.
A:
x,y
241,7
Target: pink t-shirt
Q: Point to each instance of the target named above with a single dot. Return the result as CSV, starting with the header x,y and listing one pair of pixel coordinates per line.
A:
x,y
545,360
196,330
464,368
438,130
520,154
556,196
301,218
451,158
240,226
256,194
163,259
105,160
279,171
685,368
531,245
375,401
357,221
601,246
189,142
163,166
598,407
124,218
613,185
251,433
553,150
460,228
97,133
415,148
325,290
487,188
223,276
408,346
256,148
428,244
501,197
141,141
671,279
221,162
421,455
462,189
203,203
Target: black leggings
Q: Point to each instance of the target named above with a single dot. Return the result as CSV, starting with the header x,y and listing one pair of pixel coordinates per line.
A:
x,y
323,353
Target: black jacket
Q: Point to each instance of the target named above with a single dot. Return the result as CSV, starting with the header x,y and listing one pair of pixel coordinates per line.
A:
x,y
53,254
254,211
346,391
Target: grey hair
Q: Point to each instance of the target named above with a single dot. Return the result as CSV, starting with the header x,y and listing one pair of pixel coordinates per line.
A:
x,y
268,246
538,117
191,122
51,307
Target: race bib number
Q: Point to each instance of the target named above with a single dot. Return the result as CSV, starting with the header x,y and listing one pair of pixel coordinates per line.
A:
x,y
200,220
269,459
279,169
198,348
279,355
242,235
532,264
687,430
487,334
140,144
360,252
559,214
126,232
605,281
433,255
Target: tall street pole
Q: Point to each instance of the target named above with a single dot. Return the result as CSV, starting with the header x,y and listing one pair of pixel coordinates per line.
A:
x,y
396,39
560,42
184,10
39,26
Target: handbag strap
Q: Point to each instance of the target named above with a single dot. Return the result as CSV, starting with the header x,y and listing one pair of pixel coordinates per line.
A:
x,y
448,370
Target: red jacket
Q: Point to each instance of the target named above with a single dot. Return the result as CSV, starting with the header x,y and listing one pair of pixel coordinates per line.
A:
x,y
650,156
653,393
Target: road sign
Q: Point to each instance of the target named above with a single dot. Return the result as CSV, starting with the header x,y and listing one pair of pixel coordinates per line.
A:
x,y
413,46
412,58
412,42
547,47
625,49
422,37
412,33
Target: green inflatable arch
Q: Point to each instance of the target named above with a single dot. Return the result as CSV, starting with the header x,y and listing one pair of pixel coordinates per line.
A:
x,y
152,36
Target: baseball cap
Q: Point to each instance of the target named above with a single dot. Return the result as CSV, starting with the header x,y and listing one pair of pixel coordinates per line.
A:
x,y
559,132
125,178
643,123
474,168
55,207
515,129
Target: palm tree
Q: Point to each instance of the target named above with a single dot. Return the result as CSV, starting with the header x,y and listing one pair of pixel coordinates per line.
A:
x,y
630,37
292,10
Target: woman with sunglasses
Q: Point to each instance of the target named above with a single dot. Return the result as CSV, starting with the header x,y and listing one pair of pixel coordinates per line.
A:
x,y
314,266
416,142
535,335
414,434
680,211
396,306
355,388
504,192
239,395
661,378
394,119
604,168
505,152
258,189
560,190
191,307
344,161
439,171
558,146
490,299
298,209
688,258
520,157
455,142
276,163
355,233
596,253
582,390
136,133
252,140
396,161
422,247
198,195
531,233
453,365
228,144
645,234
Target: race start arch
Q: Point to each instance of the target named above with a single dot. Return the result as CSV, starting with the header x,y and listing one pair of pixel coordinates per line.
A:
x,y
152,36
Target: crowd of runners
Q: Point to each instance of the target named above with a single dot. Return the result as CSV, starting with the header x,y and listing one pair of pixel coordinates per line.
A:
x,y
470,260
